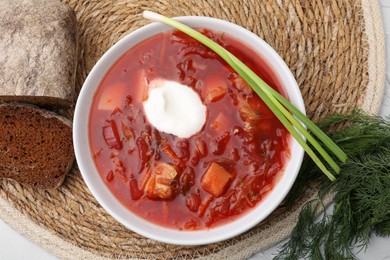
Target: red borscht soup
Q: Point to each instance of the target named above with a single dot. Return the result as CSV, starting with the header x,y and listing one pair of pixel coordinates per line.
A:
x,y
209,178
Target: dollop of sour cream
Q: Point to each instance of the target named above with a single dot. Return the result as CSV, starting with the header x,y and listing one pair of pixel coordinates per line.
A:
x,y
174,108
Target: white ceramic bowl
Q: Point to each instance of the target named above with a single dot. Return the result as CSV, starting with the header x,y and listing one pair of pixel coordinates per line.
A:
x,y
125,216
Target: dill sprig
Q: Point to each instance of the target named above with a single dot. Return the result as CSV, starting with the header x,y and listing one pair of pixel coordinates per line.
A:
x,y
362,193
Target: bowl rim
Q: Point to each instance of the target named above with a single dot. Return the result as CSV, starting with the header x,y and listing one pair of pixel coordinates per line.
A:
x,y
132,221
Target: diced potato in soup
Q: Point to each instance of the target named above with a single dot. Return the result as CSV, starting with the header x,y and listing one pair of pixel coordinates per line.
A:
x,y
161,182
111,97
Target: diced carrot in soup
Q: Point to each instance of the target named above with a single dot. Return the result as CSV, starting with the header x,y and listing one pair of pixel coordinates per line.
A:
x,y
215,180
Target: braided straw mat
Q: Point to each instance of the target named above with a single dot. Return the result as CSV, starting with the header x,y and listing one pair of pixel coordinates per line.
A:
x,y
334,48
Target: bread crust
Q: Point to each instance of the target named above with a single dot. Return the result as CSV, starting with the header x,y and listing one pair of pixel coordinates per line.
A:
x,y
59,106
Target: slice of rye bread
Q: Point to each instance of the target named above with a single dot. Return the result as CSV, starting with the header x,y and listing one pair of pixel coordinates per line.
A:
x,y
36,146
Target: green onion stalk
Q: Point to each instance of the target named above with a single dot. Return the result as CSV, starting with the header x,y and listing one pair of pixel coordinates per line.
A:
x,y
292,119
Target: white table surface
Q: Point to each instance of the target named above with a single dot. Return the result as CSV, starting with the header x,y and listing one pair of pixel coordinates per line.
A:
x,y
15,246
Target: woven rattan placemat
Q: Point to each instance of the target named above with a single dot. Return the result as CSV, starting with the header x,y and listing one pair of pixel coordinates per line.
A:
x,y
334,48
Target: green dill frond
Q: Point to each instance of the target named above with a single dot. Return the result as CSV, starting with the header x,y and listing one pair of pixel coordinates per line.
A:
x,y
362,193
302,243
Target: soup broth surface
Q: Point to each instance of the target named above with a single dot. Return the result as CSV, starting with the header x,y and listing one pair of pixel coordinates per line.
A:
x,y
210,178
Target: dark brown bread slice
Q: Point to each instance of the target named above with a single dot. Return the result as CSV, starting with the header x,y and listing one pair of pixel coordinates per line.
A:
x,y
36,146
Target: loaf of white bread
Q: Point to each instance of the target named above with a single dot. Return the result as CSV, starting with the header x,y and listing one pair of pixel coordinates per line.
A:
x,y
38,49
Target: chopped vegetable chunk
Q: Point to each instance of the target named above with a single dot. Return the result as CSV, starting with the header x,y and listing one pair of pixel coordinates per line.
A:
x,y
136,194
215,94
161,182
215,179
111,97
111,135
249,115
193,202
